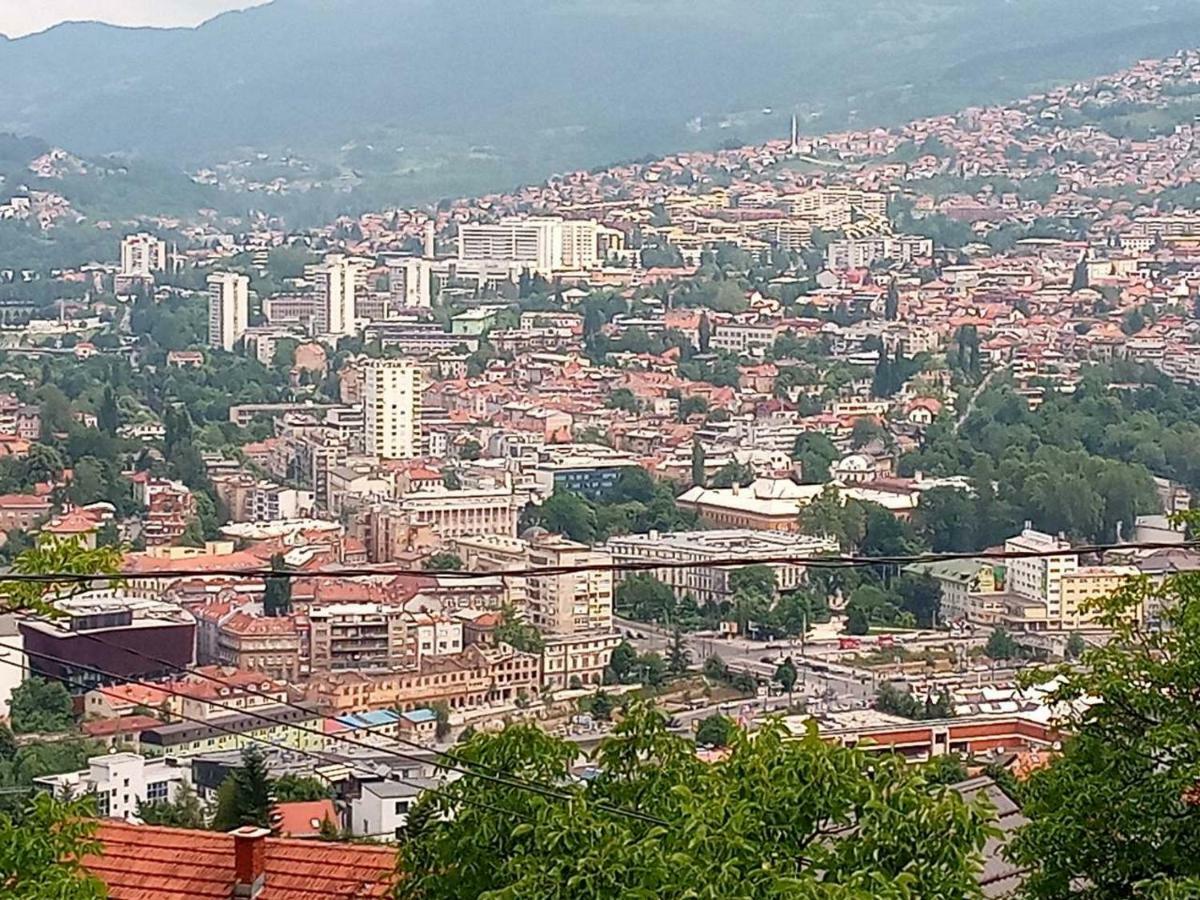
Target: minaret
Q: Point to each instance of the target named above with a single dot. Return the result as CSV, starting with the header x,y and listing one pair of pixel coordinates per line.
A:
x,y
795,145
429,244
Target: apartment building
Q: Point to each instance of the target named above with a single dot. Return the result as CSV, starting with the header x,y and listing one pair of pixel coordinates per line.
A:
x,y
576,659
228,309
358,636
392,408
1039,578
336,284
142,255
572,602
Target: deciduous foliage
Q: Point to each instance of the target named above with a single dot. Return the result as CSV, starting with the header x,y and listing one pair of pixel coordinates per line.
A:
x,y
182,810
40,705
514,631
764,823
49,554
1117,815
41,852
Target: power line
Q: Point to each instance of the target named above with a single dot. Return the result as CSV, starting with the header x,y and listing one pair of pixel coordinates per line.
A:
x,y
325,759
815,562
456,765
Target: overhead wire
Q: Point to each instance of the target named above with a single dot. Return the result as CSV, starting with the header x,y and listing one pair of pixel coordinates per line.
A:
x,y
831,561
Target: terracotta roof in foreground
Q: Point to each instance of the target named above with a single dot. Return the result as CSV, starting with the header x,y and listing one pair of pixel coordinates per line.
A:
x,y
145,862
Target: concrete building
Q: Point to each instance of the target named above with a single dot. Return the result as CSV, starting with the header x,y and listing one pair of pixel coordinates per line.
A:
x,y
576,659
573,602
860,253
1039,578
335,284
767,504
410,282
380,809
541,244
228,309
392,408
13,663
707,585
443,514
132,630
359,636
120,782
142,255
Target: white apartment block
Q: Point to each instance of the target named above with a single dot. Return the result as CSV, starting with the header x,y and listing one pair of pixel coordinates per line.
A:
x,y
542,244
1040,577
392,408
702,547
859,253
572,602
336,283
142,255
410,282
228,309
120,782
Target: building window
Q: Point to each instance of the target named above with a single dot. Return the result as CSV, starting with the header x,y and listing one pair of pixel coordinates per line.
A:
x,y
158,790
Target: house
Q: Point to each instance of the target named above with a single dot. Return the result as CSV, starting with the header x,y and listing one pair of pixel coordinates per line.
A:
x,y
138,862
304,818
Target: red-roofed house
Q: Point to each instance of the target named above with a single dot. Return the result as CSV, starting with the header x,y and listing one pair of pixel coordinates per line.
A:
x,y
303,818
22,510
143,862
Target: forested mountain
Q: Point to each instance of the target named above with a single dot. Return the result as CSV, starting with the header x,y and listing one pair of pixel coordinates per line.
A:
x,y
436,97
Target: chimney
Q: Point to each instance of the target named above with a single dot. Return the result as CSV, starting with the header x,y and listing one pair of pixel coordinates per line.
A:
x,y
249,861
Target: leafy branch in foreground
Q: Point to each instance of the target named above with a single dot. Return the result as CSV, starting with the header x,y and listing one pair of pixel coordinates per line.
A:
x,y
1118,814
779,817
56,555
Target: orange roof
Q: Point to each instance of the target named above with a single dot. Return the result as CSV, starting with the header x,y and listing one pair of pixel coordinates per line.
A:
x,y
120,725
303,818
145,862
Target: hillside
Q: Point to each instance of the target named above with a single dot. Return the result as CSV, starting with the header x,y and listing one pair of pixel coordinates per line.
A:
x,y
417,99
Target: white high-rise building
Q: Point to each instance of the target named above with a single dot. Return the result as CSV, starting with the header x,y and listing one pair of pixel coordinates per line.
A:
x,y
142,255
410,282
392,408
336,282
542,244
579,244
228,309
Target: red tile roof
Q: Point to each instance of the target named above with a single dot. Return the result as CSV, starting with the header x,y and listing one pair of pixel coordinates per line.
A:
x,y
144,862
303,818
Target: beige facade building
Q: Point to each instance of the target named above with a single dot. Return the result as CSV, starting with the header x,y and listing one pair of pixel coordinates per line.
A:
x,y
573,602
359,636
392,408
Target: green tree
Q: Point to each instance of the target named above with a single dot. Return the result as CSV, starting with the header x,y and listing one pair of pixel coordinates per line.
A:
x,y
785,675
645,598
771,820
733,472
623,660
442,711
1001,645
1116,815
698,462
1075,645
40,705
443,562
277,597
513,631
470,449
183,810
296,788
624,399
108,417
891,305
244,798
678,657
42,851
569,514
716,731
704,333
816,453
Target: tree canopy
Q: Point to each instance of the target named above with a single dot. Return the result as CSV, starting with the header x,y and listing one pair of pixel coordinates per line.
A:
x,y
778,817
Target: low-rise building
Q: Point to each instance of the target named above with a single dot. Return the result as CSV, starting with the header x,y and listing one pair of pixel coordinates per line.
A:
x,y
120,782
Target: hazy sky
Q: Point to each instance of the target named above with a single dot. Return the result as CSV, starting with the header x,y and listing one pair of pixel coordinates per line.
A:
x,y
18,17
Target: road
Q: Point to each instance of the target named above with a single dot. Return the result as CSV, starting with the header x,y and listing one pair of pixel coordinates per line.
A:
x,y
842,683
